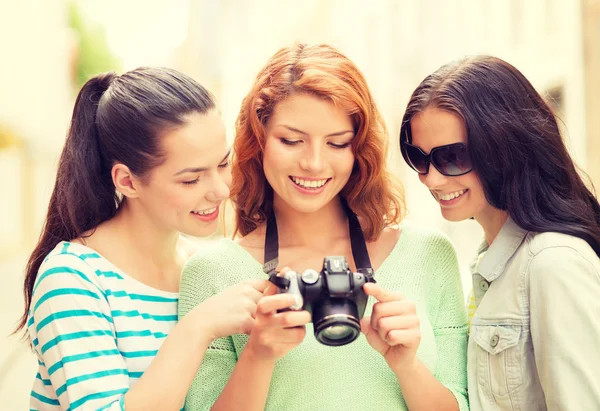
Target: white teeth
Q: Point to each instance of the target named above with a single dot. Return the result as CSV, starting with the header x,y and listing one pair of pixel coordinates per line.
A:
x,y
309,183
205,212
451,196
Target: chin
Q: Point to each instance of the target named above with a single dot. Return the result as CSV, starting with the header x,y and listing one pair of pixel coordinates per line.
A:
x,y
205,231
454,216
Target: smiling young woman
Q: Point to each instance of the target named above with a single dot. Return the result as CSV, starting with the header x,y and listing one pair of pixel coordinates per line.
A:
x,y
310,143
145,160
487,146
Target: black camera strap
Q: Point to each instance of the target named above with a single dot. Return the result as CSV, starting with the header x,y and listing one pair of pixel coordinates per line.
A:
x,y
357,243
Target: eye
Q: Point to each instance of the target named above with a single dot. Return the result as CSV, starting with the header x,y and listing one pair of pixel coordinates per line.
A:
x,y
225,164
289,142
188,183
339,146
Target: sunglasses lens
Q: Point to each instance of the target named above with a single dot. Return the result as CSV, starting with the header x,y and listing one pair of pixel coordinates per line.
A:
x,y
452,160
416,159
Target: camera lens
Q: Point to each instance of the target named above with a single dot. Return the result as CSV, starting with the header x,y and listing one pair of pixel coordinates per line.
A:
x,y
336,322
337,332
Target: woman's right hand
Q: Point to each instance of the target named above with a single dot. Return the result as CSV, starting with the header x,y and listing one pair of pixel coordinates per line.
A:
x,y
232,310
276,333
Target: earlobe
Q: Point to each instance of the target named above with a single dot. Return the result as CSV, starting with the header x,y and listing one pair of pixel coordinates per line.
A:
x,y
124,180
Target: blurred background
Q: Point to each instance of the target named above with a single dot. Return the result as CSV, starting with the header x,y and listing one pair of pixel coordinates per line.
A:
x,y
49,48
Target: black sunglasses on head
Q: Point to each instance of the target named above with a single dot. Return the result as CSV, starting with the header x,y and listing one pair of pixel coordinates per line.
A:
x,y
451,160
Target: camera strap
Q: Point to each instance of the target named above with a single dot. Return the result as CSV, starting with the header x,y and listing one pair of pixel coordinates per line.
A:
x,y
357,243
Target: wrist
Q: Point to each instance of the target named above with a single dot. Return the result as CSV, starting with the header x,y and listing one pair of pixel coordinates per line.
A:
x,y
405,369
200,331
254,356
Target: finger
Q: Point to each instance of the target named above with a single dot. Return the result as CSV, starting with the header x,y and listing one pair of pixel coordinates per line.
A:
x,y
388,324
284,336
271,303
258,285
365,325
408,338
382,294
290,319
272,288
392,308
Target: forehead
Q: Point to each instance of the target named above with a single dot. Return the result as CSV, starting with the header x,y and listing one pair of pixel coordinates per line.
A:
x,y
200,141
311,114
434,127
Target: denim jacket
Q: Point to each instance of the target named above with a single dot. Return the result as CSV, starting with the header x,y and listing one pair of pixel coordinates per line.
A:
x,y
534,342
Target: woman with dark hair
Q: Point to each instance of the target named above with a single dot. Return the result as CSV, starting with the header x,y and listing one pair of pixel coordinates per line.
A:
x,y
488,147
145,159
310,154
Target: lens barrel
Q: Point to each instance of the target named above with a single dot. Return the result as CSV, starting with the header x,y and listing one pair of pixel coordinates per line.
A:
x,y
336,322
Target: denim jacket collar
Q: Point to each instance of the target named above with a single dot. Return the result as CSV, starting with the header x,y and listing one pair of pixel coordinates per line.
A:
x,y
501,250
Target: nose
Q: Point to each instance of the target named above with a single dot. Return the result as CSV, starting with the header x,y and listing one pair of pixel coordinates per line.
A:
x,y
433,179
219,188
312,160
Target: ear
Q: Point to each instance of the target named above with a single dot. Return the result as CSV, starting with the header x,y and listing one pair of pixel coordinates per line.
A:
x,y
125,181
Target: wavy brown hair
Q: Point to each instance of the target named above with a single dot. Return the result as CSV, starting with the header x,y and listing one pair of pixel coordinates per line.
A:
x,y
324,72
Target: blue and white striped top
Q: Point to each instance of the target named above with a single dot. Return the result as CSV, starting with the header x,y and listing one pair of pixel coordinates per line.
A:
x,y
95,330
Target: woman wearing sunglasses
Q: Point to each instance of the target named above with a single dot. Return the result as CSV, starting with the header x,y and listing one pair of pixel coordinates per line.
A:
x,y
488,147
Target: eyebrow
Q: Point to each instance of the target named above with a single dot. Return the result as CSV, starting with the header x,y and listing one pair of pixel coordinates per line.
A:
x,y
200,169
338,133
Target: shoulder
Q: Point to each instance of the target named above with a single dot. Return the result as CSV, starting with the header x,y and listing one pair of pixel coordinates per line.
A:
x,y
68,261
211,255
423,241
187,247
557,254
219,264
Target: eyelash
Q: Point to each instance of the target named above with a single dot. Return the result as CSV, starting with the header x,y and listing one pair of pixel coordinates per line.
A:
x,y
295,142
192,182
189,183
289,142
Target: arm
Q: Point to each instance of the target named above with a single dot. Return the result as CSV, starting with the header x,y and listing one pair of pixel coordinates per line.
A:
x,y
565,330
394,331
272,337
75,333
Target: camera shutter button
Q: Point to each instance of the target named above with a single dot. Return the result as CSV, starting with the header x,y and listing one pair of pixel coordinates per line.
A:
x,y
310,276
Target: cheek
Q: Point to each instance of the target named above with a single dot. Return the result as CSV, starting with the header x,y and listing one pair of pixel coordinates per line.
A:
x,y
344,161
275,159
472,182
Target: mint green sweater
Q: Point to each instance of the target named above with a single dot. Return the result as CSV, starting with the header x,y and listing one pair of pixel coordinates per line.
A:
x,y
313,376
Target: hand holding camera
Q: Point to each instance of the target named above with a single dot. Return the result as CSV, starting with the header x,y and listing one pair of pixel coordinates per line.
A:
x,y
275,333
334,297
237,305
393,329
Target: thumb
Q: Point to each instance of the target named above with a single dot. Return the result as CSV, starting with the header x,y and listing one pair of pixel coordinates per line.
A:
x,y
272,288
365,325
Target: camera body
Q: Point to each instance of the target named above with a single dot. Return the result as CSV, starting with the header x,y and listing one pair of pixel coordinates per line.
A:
x,y
334,297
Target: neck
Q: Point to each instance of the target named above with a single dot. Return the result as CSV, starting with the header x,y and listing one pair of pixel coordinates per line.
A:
x,y
310,228
153,244
491,220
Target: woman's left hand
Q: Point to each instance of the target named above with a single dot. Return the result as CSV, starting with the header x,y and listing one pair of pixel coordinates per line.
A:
x,y
393,329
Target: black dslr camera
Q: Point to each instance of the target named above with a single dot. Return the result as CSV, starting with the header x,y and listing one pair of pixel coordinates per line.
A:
x,y
334,297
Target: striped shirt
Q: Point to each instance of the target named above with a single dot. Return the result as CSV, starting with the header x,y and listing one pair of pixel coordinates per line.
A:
x,y
95,330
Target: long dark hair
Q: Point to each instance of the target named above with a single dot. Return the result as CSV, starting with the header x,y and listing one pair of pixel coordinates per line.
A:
x,y
116,119
515,145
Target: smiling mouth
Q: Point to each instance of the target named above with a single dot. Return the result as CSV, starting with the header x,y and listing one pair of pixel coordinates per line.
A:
x,y
205,212
452,196
309,184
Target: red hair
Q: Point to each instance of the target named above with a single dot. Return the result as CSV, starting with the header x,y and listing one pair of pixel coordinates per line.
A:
x,y
322,71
